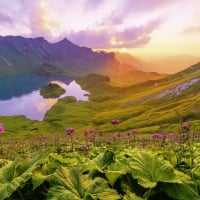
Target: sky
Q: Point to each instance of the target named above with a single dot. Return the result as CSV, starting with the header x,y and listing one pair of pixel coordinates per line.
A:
x,y
140,27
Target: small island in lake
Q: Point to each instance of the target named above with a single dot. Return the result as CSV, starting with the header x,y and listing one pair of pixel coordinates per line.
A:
x,y
52,90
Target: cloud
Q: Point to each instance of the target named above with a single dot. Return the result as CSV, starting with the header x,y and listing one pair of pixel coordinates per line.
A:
x,y
135,6
104,38
5,19
93,4
39,18
192,30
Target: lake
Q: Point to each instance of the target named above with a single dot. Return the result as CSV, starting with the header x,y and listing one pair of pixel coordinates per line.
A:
x,y
20,95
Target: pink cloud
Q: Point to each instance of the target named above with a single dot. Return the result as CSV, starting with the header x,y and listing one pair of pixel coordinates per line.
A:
x,y
130,37
5,19
192,30
136,6
93,4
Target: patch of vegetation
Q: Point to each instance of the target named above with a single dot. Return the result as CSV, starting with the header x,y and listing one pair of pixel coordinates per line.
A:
x,y
121,166
52,91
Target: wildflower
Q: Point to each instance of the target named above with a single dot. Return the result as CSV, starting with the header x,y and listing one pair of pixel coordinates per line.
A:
x,y
185,127
133,132
159,136
118,135
115,121
93,132
1,129
85,133
69,131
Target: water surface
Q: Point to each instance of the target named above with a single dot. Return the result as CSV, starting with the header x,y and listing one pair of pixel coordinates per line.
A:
x,y
31,103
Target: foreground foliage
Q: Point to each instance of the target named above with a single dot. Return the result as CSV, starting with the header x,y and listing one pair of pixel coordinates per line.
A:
x,y
100,174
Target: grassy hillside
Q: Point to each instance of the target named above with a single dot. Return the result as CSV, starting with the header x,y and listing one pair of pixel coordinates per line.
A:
x,y
149,107
51,91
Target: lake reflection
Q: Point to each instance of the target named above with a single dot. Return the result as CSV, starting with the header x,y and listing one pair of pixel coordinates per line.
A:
x,y
34,106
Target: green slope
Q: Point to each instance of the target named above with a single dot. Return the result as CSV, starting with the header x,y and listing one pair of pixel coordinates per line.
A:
x,y
139,107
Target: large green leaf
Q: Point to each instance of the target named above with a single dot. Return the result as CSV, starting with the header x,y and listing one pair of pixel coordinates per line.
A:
x,y
101,162
66,184
70,184
182,191
114,171
100,190
4,162
64,161
15,174
131,196
150,169
51,163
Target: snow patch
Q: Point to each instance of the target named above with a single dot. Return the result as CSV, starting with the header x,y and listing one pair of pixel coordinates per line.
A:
x,y
178,89
6,61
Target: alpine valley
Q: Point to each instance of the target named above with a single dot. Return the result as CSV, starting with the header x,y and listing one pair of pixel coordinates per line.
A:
x,y
147,101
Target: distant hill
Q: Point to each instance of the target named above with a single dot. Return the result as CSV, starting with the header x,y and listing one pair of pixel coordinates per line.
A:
x,y
162,64
136,62
19,55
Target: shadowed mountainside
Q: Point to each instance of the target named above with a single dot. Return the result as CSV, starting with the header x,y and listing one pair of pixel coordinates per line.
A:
x,y
19,55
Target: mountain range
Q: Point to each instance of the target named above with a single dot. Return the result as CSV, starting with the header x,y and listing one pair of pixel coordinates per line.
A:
x,y
19,55
160,64
152,106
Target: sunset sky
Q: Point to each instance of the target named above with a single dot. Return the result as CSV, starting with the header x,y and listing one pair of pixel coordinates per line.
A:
x,y
141,27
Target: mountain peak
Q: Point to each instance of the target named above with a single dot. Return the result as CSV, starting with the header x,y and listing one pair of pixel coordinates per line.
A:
x,y
65,41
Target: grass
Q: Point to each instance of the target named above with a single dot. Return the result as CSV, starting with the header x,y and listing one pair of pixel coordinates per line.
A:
x,y
51,91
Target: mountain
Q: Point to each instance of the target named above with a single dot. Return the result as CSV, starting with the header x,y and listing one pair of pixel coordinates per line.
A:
x,y
138,72
131,60
19,55
159,64
27,55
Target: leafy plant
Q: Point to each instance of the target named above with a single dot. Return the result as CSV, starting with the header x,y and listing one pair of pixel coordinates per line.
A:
x,y
70,184
14,175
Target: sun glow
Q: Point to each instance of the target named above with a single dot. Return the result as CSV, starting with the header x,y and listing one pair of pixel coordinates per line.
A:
x,y
115,41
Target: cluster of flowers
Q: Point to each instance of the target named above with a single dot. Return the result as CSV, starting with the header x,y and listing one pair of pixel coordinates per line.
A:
x,y
91,132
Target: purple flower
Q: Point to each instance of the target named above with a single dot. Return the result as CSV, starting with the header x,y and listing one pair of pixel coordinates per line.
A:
x,y
174,137
86,133
69,131
1,129
185,127
133,132
92,132
115,121
118,135
159,136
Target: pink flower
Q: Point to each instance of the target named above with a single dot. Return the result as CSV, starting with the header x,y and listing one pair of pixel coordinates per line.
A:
x,y
86,133
133,132
1,129
115,121
186,127
69,131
